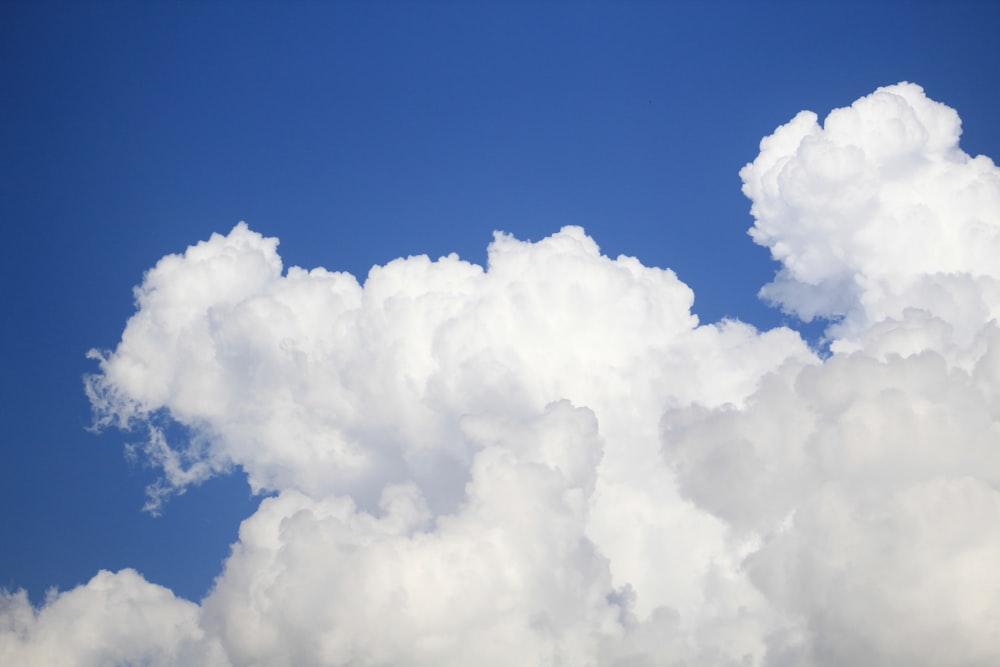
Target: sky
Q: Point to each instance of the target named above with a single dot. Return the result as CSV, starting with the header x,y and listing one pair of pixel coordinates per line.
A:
x,y
625,334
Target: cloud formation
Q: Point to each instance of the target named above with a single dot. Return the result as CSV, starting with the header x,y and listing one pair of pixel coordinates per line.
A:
x,y
878,211
550,461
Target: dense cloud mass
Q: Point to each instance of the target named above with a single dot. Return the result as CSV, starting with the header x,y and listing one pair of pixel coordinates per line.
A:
x,y
552,462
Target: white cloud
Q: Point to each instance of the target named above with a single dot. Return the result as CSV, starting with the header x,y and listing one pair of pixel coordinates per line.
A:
x,y
877,211
509,579
114,619
316,385
310,382
549,461
872,481
872,486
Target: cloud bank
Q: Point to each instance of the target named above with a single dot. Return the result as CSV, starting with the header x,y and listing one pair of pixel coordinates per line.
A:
x,y
550,461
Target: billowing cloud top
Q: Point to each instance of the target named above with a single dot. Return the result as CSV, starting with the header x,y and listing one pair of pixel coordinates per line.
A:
x,y
549,461
878,211
310,382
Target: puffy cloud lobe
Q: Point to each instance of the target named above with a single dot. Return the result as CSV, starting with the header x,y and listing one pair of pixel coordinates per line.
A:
x,y
877,211
550,462
310,382
325,390
114,619
872,486
509,579
870,483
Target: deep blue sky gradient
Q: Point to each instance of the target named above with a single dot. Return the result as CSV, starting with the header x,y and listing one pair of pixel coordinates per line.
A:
x,y
359,132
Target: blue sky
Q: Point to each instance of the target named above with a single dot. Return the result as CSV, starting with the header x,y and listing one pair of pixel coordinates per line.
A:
x,y
361,132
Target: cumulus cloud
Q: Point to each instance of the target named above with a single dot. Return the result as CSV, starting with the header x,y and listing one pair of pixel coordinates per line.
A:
x,y
114,619
878,211
871,482
309,381
550,461
872,487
